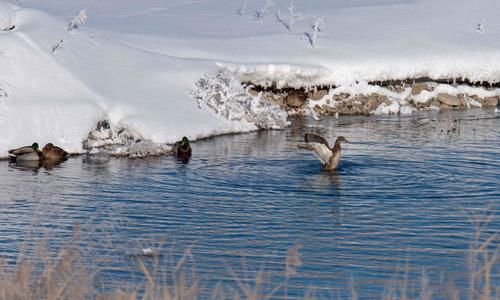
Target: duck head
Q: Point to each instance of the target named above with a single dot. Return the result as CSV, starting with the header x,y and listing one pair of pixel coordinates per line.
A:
x,y
185,142
341,140
35,146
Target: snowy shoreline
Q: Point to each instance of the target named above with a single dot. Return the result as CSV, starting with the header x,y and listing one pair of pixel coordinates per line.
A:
x,y
140,65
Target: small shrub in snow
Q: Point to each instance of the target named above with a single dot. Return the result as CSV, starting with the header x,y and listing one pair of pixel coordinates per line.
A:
x,y
317,27
57,46
3,94
78,20
293,16
282,20
480,26
224,94
7,16
241,10
264,10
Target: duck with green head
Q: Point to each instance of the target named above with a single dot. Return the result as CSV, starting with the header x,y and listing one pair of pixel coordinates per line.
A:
x,y
182,149
26,153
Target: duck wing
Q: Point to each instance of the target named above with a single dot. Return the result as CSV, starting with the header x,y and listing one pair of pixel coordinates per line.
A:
x,y
322,152
176,147
21,151
60,151
314,138
54,152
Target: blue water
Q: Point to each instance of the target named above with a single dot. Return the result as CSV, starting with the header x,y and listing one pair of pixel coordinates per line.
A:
x,y
402,201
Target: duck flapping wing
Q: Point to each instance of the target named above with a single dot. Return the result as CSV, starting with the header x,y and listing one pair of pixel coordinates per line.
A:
x,y
314,138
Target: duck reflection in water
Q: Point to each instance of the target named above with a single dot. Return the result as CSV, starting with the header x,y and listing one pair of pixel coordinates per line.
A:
x,y
320,181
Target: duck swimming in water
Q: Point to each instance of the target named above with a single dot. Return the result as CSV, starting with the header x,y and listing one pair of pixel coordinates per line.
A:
x,y
182,149
329,157
32,156
26,153
52,152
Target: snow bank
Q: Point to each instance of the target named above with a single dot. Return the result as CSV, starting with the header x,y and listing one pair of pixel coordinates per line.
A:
x,y
59,96
282,75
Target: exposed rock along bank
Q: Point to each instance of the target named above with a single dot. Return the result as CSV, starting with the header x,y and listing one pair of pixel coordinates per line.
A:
x,y
397,97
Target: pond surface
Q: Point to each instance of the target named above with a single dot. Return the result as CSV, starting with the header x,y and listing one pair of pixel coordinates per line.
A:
x,y
403,199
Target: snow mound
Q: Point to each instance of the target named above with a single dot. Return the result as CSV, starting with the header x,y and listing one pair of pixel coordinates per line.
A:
x,y
7,16
223,93
121,141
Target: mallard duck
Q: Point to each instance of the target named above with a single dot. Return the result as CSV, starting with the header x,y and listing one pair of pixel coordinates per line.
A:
x,y
182,149
26,153
51,152
329,157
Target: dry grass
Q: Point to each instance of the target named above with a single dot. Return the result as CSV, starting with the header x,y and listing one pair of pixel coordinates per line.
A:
x,y
48,278
67,275
483,257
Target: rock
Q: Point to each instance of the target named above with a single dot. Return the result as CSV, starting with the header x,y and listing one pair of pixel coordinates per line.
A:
x,y
372,104
366,103
417,88
359,99
253,92
342,96
276,98
434,103
295,99
463,101
384,99
471,102
398,88
103,124
489,102
317,95
327,110
450,100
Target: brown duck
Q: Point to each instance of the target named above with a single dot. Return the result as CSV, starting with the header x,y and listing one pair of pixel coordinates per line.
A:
x,y
329,157
182,149
52,152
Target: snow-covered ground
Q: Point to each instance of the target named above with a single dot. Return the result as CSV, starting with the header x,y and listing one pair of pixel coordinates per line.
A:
x,y
138,64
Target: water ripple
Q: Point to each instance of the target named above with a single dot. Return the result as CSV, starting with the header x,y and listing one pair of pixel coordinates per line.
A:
x,y
404,194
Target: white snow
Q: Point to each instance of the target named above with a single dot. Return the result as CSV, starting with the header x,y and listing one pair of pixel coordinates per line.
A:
x,y
224,94
136,63
425,96
385,109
